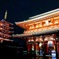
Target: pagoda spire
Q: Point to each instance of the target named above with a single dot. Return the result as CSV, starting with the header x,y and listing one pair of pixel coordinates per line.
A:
x,y
5,16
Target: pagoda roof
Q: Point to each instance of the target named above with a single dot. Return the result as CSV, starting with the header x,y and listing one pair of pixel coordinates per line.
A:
x,y
4,21
34,19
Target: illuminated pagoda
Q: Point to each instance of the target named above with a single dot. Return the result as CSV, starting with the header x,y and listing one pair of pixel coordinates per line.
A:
x,y
40,32
5,29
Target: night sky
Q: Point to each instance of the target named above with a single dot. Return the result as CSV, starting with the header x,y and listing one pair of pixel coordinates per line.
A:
x,y
20,10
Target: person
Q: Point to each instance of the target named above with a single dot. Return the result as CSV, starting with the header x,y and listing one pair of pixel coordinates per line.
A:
x,y
53,53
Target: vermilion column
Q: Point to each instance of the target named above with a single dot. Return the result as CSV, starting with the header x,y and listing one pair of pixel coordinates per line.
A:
x,y
58,48
29,46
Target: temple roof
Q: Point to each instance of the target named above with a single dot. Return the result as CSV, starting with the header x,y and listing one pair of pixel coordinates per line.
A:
x,y
37,18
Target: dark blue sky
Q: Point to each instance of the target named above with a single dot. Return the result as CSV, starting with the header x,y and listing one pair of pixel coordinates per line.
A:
x,y
19,10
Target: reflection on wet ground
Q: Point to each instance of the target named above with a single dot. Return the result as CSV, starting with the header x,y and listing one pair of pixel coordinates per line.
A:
x,y
36,57
12,54
15,54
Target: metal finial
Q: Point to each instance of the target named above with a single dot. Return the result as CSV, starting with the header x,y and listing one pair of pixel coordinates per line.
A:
x,y
5,16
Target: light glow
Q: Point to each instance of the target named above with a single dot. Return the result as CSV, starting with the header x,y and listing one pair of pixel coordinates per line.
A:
x,y
56,22
40,44
29,40
37,26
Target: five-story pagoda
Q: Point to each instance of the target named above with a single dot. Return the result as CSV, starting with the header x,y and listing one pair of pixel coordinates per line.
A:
x,y
5,29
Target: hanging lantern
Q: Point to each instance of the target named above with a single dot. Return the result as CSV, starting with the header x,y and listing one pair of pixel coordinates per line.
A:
x,y
50,44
